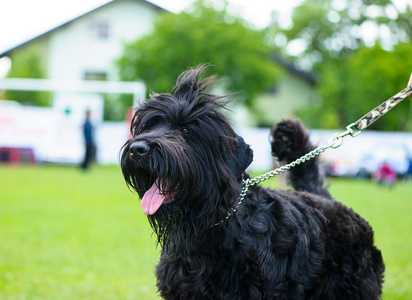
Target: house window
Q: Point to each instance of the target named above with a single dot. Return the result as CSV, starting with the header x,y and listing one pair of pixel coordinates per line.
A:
x,y
99,30
274,89
101,76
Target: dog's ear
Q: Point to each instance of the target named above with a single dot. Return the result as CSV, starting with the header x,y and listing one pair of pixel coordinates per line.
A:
x,y
242,158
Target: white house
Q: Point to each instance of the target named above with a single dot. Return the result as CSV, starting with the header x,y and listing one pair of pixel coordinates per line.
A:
x,y
85,48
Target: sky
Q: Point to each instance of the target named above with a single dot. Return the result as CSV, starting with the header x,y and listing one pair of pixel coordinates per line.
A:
x,y
23,19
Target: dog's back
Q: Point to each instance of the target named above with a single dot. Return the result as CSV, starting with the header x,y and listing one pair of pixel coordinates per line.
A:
x,y
353,266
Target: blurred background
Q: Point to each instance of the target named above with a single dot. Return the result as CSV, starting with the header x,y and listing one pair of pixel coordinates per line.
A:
x,y
327,62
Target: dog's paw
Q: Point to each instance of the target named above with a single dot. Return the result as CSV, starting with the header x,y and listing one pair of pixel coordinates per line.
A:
x,y
289,140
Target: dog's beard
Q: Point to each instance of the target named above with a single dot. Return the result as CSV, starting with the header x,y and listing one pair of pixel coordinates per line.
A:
x,y
156,177
165,183
181,195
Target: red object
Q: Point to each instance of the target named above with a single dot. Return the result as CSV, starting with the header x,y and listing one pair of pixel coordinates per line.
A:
x,y
129,119
16,155
385,174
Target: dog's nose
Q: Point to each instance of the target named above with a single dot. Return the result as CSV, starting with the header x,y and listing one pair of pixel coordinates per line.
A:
x,y
139,149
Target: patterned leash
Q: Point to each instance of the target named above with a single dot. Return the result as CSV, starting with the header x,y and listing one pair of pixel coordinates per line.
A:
x,y
337,141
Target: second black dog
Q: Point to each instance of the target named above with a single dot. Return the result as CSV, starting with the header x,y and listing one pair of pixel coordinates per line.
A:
x,y
188,166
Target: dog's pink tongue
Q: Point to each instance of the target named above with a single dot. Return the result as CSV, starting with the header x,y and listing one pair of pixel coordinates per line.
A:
x,y
152,199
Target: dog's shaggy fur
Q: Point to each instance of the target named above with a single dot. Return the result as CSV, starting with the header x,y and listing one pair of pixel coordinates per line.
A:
x,y
296,244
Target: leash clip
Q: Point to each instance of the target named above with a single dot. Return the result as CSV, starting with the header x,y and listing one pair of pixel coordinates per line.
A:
x,y
350,130
337,140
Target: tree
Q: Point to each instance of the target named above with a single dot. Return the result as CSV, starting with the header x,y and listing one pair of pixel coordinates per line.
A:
x,y
334,29
204,35
26,63
356,72
353,86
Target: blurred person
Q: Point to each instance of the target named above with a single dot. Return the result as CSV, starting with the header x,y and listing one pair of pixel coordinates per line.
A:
x,y
90,149
409,171
385,175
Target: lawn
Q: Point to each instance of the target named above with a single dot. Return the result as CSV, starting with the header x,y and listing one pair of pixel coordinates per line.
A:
x,y
66,234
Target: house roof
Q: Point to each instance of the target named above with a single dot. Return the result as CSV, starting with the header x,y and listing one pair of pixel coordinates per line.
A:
x,y
7,52
310,77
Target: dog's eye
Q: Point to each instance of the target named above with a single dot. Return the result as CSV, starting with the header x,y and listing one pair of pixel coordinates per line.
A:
x,y
184,130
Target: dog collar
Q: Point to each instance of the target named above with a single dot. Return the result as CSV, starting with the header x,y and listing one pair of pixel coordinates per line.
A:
x,y
246,184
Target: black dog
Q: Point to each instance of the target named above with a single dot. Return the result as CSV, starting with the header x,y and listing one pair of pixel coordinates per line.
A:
x,y
187,164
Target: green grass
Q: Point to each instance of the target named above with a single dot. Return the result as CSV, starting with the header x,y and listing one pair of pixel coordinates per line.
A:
x,y
65,234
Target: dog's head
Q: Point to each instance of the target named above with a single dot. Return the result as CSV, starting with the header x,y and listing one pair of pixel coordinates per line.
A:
x,y
184,159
